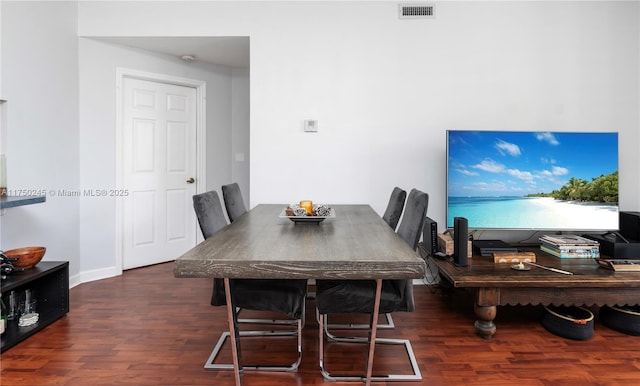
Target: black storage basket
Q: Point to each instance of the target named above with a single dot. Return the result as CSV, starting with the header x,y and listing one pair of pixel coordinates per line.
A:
x,y
568,322
625,319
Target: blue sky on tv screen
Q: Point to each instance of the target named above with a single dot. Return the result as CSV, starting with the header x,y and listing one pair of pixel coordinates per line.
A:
x,y
508,163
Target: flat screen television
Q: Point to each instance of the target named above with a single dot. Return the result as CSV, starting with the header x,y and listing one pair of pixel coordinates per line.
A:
x,y
516,180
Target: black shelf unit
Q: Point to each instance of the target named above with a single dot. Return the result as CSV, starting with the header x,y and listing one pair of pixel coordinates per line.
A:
x,y
49,282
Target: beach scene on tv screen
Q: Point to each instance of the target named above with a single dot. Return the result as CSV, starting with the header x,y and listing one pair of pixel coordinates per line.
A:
x,y
533,180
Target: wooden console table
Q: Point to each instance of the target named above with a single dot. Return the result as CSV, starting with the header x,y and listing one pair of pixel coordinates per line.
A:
x,y
498,285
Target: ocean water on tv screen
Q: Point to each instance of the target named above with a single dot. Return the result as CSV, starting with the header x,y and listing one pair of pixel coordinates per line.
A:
x,y
513,212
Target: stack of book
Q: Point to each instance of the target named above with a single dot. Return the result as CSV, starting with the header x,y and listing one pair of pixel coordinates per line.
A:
x,y
570,246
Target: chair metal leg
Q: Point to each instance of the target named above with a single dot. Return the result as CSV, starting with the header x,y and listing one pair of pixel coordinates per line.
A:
x,y
236,352
323,331
211,365
415,376
353,326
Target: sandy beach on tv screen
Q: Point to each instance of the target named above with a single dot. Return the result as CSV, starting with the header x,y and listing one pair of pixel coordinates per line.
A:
x,y
576,215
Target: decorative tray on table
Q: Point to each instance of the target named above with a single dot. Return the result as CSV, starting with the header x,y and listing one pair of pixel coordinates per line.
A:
x,y
296,214
620,265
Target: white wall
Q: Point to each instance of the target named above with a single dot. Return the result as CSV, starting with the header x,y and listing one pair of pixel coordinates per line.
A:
x,y
385,90
98,63
40,83
240,112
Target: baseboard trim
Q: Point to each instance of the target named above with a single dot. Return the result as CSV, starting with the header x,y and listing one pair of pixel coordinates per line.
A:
x,y
93,275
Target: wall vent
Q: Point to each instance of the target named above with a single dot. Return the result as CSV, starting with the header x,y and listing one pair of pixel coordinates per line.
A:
x,y
416,11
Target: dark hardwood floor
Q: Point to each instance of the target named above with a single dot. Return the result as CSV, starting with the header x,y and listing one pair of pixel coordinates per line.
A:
x,y
149,328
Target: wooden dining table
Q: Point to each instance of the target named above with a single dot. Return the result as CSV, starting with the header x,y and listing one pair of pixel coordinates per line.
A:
x,y
264,244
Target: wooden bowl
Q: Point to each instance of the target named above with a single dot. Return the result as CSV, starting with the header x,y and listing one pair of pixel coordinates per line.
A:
x,y
27,256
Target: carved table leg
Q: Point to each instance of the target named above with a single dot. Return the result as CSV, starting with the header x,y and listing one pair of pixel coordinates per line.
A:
x,y
485,309
484,325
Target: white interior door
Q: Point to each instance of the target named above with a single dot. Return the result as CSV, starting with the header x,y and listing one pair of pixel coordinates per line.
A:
x,y
159,170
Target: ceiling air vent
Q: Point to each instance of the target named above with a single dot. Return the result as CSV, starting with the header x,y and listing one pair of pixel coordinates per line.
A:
x,y
416,11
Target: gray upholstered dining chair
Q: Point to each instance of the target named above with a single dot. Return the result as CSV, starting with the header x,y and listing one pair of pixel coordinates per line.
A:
x,y
233,201
286,297
211,220
209,213
358,296
394,208
391,216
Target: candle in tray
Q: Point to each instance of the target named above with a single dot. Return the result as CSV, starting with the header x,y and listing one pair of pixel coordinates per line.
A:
x,y
307,205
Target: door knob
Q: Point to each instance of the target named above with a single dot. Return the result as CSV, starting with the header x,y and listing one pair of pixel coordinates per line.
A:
x,y
191,180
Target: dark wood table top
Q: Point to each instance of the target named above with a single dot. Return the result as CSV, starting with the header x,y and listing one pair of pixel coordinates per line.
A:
x,y
356,244
483,272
